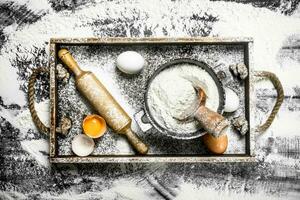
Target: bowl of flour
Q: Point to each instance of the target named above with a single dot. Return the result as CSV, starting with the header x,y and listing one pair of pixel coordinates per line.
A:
x,y
172,90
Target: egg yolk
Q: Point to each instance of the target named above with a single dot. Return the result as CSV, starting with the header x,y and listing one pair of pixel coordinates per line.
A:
x,y
94,126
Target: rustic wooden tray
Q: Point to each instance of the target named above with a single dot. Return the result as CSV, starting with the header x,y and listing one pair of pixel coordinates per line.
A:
x,y
101,53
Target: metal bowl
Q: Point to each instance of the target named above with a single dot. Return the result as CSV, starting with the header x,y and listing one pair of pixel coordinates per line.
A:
x,y
173,63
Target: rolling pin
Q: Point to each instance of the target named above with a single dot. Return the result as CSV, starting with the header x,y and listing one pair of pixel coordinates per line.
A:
x,y
103,102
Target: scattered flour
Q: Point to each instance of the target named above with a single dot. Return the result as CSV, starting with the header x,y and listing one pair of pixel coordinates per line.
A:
x,y
12,195
172,93
21,119
191,191
13,94
120,189
133,190
127,189
38,149
24,119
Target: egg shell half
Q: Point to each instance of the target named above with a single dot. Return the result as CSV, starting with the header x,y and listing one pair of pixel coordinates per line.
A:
x,y
83,145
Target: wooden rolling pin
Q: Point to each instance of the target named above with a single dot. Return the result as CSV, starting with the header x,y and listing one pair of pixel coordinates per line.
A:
x,y
104,103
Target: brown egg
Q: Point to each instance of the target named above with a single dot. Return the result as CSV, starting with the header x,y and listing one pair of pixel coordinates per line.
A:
x,y
216,145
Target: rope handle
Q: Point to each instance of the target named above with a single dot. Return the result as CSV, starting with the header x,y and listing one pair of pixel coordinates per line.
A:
x,y
280,96
65,123
31,91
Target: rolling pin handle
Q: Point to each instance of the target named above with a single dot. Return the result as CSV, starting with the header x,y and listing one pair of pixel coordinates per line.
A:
x,y
136,142
69,61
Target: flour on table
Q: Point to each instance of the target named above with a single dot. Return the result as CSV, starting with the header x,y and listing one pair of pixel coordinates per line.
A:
x,y
172,92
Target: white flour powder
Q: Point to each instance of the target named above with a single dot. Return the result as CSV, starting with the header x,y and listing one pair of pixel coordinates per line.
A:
x,y
172,92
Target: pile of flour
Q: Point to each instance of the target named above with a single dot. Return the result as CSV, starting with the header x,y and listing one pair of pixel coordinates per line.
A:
x,y
172,92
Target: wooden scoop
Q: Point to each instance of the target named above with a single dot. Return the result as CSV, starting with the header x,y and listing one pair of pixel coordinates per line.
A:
x,y
187,115
211,121
202,97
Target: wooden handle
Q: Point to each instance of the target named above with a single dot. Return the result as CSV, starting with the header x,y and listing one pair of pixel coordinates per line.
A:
x,y
136,142
69,61
212,122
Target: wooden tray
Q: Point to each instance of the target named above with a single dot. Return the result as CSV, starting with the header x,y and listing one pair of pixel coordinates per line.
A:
x,y
102,52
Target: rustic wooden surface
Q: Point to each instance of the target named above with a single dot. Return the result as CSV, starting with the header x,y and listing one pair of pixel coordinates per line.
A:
x,y
25,29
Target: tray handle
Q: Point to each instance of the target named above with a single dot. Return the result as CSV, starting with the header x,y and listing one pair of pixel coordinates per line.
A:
x,y
65,124
280,96
31,91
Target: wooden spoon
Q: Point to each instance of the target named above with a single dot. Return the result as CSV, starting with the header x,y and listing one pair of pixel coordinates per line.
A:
x,y
202,97
187,115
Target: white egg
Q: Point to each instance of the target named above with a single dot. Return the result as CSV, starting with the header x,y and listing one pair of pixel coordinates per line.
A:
x,y
130,62
232,101
82,145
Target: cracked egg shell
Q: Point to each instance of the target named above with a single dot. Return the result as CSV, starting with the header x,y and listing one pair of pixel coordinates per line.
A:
x,y
82,145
